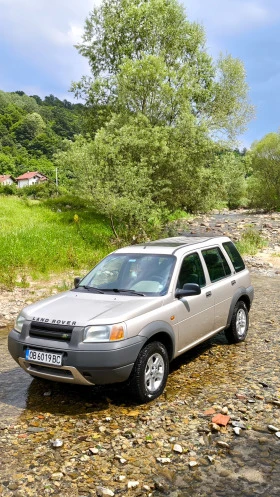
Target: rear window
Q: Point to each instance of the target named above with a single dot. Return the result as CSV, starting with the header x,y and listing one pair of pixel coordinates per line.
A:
x,y
234,256
216,263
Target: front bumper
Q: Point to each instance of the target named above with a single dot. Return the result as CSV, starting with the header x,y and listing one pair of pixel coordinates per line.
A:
x,y
89,364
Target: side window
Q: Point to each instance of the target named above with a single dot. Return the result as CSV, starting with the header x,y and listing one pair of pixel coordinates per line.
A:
x,y
216,263
234,256
191,271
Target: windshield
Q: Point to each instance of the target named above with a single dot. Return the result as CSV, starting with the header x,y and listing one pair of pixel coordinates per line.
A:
x,y
131,274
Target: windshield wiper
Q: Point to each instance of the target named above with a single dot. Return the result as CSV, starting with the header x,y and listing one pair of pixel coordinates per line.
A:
x,y
91,288
124,290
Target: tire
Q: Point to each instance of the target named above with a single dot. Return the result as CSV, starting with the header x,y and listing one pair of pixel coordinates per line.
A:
x,y
239,324
150,372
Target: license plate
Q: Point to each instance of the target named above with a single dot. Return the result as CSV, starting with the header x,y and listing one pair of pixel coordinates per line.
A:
x,y
43,357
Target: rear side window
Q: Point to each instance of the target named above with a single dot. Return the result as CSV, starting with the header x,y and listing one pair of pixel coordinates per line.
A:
x,y
234,256
191,271
216,263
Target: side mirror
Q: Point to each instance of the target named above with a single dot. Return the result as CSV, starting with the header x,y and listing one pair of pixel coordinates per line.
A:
x,y
77,281
188,290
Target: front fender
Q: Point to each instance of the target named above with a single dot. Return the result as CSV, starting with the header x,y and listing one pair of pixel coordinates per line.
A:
x,y
160,327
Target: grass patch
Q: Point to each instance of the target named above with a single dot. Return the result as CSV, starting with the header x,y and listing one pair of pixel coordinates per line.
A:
x,y
179,214
250,242
39,238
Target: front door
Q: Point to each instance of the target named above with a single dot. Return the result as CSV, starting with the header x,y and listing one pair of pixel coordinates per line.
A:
x,y
196,313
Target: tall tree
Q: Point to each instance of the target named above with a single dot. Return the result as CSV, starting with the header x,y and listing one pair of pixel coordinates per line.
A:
x,y
264,182
146,56
151,75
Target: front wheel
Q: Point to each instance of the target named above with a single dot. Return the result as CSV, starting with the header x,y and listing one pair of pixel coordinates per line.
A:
x,y
150,372
238,328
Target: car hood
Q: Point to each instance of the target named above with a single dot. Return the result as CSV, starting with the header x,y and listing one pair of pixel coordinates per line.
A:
x,y
82,309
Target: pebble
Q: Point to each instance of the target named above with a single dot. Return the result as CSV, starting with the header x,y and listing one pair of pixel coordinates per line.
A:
x,y
223,444
238,424
57,443
57,476
178,448
104,492
164,460
132,484
93,450
121,477
273,428
237,430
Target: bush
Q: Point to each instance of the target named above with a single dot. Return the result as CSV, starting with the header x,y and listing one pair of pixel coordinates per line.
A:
x,y
8,189
250,242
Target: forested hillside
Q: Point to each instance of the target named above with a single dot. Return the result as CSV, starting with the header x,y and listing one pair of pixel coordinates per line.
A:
x,y
32,130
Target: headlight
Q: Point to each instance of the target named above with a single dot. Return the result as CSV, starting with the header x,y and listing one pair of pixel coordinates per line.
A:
x,y
104,333
19,323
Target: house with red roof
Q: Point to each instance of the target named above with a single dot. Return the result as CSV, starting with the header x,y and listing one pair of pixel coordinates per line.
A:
x,y
6,179
30,178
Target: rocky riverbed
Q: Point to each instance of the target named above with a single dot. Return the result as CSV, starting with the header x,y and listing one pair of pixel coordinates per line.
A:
x,y
214,431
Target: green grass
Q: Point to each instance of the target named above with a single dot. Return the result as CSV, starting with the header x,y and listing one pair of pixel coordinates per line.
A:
x,y
179,214
250,242
41,238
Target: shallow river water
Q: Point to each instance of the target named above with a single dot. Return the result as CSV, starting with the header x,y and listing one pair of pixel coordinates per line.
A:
x,y
167,447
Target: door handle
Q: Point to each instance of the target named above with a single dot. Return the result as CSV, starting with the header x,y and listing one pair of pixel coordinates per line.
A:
x,y
233,282
208,294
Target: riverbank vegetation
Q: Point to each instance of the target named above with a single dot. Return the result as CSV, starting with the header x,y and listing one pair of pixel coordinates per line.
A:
x,y
155,136
37,239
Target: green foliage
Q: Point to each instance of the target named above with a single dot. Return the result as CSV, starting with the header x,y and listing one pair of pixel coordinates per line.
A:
x,y
28,127
44,190
115,172
32,130
158,100
250,242
264,182
41,239
229,171
148,57
179,214
8,189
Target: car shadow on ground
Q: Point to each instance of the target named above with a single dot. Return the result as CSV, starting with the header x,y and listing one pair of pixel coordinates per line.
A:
x,y
38,395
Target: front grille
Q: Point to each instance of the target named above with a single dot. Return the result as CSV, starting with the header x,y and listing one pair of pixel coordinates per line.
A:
x,y
51,331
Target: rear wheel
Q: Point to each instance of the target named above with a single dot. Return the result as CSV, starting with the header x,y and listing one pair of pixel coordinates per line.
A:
x,y
238,328
150,372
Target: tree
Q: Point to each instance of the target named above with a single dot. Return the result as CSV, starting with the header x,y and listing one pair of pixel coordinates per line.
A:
x,y
152,76
264,182
146,57
115,173
29,127
229,170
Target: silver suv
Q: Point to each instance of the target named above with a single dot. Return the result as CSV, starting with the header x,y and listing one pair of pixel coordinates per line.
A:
x,y
138,309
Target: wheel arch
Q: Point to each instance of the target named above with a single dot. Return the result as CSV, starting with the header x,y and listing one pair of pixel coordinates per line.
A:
x,y
160,331
241,296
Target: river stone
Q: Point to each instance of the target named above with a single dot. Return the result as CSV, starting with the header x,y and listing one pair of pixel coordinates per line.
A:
x,y
104,492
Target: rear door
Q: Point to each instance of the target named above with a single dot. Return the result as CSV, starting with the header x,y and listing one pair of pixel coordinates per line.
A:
x,y
223,283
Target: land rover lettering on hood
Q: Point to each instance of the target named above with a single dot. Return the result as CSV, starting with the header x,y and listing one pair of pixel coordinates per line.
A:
x,y
137,310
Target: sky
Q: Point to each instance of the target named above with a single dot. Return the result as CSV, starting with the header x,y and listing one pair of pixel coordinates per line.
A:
x,y
37,53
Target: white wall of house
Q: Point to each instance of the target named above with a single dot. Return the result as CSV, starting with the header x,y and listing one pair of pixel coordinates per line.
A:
x,y
27,182
7,181
22,183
